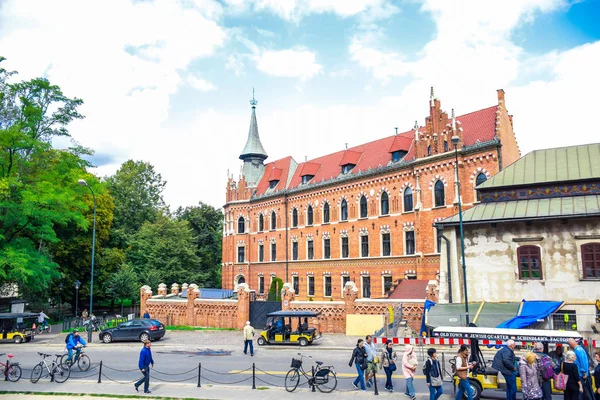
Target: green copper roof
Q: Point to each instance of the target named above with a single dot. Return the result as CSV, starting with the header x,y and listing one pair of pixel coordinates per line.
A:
x,y
253,146
554,208
551,165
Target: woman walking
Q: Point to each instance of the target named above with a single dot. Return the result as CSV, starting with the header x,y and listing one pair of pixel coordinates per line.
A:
x,y
530,379
409,366
462,371
433,375
570,369
359,357
388,363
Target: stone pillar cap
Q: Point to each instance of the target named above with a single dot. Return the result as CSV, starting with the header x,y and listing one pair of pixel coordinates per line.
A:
x,y
162,285
174,285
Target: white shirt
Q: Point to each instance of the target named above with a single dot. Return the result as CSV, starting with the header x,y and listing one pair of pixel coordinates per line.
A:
x,y
42,317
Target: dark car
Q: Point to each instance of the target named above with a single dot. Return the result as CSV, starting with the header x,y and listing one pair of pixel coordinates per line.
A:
x,y
136,329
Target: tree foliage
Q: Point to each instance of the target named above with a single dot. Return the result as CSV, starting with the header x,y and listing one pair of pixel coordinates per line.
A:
x,y
123,285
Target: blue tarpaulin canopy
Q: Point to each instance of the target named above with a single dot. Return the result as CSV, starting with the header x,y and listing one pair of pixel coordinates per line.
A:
x,y
531,312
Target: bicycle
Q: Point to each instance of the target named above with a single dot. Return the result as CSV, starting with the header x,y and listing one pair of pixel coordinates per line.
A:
x,y
55,371
324,379
12,371
43,327
82,360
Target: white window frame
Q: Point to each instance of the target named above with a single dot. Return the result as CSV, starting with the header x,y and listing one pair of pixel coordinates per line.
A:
x,y
308,294
381,243
383,282
330,284
362,286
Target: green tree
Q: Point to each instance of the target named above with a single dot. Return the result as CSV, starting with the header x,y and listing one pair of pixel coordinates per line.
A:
x,y
123,285
38,183
275,289
207,225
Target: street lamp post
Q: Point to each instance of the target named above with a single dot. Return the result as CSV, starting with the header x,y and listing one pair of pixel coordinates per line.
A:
x,y
455,140
77,286
60,286
82,182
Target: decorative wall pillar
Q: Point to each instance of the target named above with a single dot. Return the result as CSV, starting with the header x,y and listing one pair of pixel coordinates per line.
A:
x,y
287,296
419,204
175,289
162,289
350,294
243,311
145,294
193,293
432,291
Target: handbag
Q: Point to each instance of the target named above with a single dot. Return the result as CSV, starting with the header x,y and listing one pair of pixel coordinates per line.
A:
x,y
364,365
436,381
560,380
391,363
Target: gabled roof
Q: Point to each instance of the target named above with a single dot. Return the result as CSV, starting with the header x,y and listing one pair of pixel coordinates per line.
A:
x,y
401,142
309,168
561,164
350,157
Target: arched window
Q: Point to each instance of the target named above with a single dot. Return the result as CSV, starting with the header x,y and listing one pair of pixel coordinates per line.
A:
x,y
261,223
408,199
241,225
309,216
273,220
478,181
363,207
325,213
440,197
385,204
344,210
294,218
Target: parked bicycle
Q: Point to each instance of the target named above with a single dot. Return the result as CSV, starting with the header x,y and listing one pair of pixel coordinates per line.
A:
x,y
80,358
12,371
56,372
325,378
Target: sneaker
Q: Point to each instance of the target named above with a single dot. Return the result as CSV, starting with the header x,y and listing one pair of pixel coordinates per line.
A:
x,y
369,385
136,388
355,387
147,392
408,395
391,390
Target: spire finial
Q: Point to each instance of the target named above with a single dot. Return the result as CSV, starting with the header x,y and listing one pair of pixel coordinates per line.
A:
x,y
253,102
396,128
431,96
453,121
416,128
346,146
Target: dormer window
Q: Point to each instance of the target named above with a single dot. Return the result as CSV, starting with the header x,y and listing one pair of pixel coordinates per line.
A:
x,y
307,178
398,155
273,184
346,168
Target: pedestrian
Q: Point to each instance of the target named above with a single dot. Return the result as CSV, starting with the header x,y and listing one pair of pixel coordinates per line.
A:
x,y
146,315
248,337
372,360
359,357
433,375
583,364
144,365
530,383
387,361
84,314
597,375
504,361
558,357
409,366
545,366
462,371
574,387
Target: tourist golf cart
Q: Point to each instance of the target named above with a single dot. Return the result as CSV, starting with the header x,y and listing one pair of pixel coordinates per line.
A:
x,y
16,327
290,327
483,376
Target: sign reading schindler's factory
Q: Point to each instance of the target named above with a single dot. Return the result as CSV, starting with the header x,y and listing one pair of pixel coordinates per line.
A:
x,y
497,336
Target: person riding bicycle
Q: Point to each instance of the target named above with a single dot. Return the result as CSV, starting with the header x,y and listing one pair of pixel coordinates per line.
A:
x,y
42,319
74,341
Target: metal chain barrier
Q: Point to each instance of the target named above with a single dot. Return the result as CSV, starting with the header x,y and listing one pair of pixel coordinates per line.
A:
x,y
228,373
179,373
176,381
228,383
119,382
121,370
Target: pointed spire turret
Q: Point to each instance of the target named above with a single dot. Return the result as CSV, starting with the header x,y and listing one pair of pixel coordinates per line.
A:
x,y
253,146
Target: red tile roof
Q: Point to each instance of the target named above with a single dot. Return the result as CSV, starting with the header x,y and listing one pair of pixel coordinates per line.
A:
x,y
410,289
275,174
478,125
401,142
283,165
350,157
309,168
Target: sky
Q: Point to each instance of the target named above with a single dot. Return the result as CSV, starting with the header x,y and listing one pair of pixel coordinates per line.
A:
x,y
168,81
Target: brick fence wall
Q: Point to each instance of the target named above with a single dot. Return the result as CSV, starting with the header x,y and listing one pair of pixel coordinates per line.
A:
x,y
193,311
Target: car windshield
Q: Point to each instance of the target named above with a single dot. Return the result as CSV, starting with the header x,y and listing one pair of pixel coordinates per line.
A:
x,y
154,322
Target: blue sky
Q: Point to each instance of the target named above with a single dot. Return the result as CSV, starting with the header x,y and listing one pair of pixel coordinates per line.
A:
x,y
168,81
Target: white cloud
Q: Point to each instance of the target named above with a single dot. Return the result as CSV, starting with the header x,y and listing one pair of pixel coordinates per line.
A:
x,y
292,63
199,83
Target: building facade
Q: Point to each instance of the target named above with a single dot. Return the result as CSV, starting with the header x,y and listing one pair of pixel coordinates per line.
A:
x,y
534,236
363,214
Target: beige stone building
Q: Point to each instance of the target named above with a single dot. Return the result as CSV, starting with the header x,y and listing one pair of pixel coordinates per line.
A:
x,y
534,236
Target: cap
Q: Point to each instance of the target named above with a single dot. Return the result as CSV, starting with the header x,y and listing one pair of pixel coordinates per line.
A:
x,y
559,344
75,330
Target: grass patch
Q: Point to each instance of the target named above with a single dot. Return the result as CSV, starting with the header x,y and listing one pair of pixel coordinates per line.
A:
x,y
262,388
195,328
99,395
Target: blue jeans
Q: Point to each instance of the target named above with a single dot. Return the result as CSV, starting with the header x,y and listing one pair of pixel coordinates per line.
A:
x,y
360,378
410,389
464,387
71,353
388,378
435,392
511,386
145,379
246,343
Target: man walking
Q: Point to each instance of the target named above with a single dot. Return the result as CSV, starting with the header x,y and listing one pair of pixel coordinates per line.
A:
x,y
248,337
582,362
504,361
545,368
371,364
144,365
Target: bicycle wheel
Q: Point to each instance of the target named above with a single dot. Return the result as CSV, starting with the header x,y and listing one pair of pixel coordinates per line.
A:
x,y
63,361
326,381
36,374
292,379
14,373
49,329
83,363
61,374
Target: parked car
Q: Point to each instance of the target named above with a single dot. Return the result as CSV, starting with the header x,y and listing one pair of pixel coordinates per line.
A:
x,y
136,329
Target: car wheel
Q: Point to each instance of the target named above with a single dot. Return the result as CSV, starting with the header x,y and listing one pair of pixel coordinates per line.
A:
x,y
303,342
107,338
476,388
18,339
144,336
261,341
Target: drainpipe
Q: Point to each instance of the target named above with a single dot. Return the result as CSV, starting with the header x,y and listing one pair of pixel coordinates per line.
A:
x,y
287,278
440,232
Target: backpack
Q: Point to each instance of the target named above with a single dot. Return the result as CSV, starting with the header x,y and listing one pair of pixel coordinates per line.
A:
x,y
68,338
546,368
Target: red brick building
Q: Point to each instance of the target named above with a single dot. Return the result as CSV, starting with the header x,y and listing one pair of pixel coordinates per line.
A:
x,y
363,214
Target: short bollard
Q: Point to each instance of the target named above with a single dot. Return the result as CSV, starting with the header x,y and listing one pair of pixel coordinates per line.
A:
x,y
199,374
313,379
253,376
376,393
100,373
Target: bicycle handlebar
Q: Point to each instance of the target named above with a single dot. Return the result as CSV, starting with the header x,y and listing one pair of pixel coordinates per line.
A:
x,y
44,354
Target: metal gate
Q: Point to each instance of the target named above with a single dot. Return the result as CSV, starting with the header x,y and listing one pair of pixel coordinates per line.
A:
x,y
260,309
